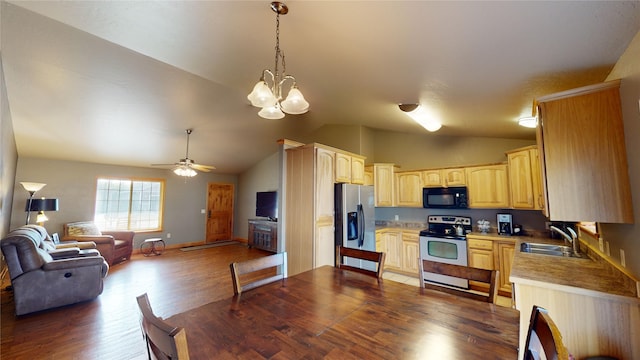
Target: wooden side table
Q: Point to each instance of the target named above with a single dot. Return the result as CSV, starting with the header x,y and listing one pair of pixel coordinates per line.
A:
x,y
152,246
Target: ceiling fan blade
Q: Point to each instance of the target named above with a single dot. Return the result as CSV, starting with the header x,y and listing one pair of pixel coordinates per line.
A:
x,y
205,168
174,164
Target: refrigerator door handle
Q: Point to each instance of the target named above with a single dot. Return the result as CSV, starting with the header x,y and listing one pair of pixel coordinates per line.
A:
x,y
360,226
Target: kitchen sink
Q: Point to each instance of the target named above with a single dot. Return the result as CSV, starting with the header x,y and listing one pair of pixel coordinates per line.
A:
x,y
547,249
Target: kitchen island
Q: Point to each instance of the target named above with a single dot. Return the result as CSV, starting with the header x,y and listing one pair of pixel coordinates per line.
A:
x,y
594,304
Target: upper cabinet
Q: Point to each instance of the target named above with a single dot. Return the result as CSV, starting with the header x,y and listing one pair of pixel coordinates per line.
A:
x,y
487,186
349,168
583,156
525,182
444,177
384,180
409,188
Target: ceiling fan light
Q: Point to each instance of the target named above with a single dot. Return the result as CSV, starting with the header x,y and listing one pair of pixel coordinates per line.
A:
x,y
295,103
185,171
261,95
271,112
528,122
420,115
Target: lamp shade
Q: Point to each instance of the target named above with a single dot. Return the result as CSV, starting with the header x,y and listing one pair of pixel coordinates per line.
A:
x,y
273,113
32,186
295,103
42,205
262,96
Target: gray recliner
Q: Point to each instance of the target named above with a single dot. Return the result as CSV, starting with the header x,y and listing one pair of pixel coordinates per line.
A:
x,y
41,282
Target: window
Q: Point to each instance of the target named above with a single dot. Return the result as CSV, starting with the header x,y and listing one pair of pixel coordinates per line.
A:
x,y
129,204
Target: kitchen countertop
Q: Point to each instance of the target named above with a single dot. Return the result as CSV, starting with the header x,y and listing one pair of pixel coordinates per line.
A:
x,y
576,275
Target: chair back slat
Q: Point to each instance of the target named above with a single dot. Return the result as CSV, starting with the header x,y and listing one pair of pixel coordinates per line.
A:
x,y
489,277
376,257
256,265
164,341
544,336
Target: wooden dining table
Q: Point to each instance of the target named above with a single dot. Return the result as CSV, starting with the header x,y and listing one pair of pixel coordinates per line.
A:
x,y
329,313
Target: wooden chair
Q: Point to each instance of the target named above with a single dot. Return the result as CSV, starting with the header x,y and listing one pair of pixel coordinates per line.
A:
x,y
239,269
164,341
489,277
544,336
377,257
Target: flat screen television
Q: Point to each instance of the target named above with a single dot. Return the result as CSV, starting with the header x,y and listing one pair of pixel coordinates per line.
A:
x,y
267,204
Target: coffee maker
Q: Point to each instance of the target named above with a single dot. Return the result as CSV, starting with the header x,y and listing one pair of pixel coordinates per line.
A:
x,y
505,224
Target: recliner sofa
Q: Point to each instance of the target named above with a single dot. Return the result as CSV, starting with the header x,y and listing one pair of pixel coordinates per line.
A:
x,y
41,282
114,246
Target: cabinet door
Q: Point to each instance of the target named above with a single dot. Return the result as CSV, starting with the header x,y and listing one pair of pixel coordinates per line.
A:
x,y
536,175
392,245
383,177
504,252
324,245
487,186
521,180
410,253
432,178
480,253
343,168
409,189
357,170
454,177
368,175
581,137
324,186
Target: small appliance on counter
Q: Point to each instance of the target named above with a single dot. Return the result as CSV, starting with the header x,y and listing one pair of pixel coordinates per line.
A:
x,y
505,224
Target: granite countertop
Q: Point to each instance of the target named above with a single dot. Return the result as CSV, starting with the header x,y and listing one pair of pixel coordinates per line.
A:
x,y
594,277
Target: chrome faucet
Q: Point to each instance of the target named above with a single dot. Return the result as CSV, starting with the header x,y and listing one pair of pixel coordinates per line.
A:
x,y
573,239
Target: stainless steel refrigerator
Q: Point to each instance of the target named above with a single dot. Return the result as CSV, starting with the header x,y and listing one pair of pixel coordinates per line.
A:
x,y
355,221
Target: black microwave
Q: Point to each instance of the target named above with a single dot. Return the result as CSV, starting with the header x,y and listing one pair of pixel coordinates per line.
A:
x,y
445,198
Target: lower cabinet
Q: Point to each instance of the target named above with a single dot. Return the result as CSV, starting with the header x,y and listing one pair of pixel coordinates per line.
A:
x,y
263,234
401,248
492,252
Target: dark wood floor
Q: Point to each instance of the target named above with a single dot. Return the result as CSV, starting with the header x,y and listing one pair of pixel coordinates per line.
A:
x,y
108,327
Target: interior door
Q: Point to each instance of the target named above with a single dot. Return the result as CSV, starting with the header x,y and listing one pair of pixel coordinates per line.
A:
x,y
219,212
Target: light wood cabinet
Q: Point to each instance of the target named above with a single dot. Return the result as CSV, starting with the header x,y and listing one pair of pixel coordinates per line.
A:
x,y
432,178
480,253
491,252
309,208
584,161
390,242
410,252
384,184
368,175
357,170
454,177
487,186
343,168
409,189
524,179
444,177
503,259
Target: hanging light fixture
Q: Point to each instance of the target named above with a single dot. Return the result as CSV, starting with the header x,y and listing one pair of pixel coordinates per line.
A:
x,y
420,115
268,92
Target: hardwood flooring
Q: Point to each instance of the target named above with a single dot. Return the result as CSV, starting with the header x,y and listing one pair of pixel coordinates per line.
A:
x,y
108,327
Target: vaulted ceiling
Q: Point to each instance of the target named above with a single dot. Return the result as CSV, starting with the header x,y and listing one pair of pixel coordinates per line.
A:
x,y
118,82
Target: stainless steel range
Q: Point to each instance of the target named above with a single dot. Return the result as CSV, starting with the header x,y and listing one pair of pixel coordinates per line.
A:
x,y
445,241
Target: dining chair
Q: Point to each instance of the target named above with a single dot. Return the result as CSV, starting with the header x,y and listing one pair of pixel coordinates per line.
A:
x,y
544,336
164,341
489,277
376,257
250,274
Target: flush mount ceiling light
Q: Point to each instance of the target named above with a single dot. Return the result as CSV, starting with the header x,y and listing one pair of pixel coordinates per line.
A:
x,y
420,115
268,92
529,122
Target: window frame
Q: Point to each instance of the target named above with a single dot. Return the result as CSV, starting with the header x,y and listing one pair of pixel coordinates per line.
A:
x,y
132,180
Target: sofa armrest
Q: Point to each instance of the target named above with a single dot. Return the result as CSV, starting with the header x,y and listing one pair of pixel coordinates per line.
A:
x,y
78,244
97,239
120,234
64,252
77,262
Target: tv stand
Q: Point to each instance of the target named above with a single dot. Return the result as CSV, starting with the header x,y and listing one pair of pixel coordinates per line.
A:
x,y
263,234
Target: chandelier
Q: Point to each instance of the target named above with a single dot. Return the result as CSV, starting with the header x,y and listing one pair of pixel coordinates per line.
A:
x,y
268,92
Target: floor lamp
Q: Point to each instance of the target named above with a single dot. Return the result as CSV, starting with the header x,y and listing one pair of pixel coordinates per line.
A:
x,y
32,188
42,205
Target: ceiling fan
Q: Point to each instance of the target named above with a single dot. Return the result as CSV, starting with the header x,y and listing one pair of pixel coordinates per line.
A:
x,y
187,167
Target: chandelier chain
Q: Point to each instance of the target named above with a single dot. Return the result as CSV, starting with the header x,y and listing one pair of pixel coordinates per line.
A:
x,y
279,52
